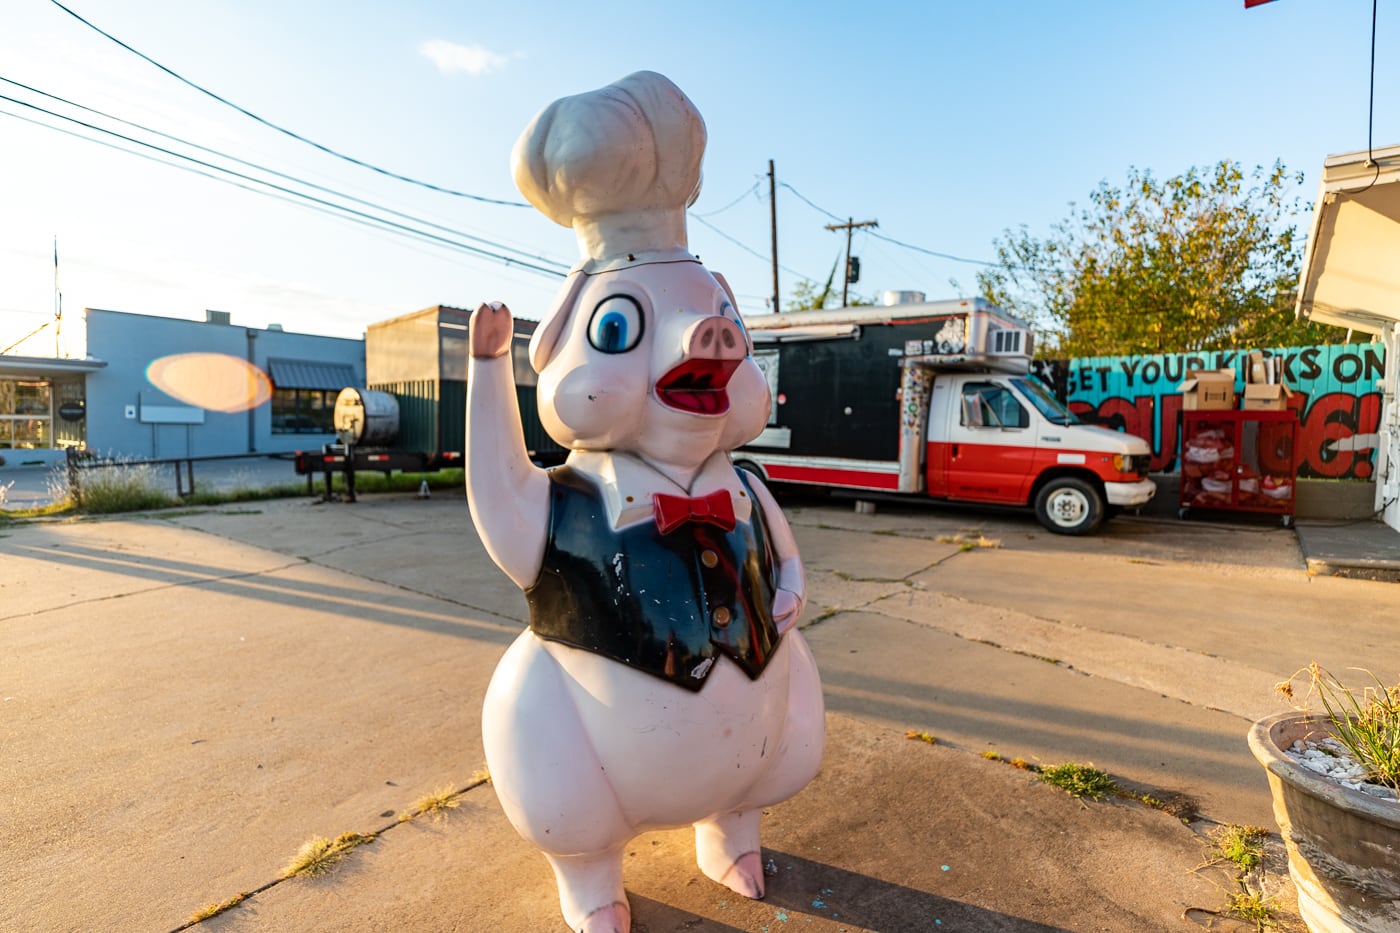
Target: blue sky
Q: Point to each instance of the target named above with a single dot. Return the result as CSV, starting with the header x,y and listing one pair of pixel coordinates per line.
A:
x,y
949,123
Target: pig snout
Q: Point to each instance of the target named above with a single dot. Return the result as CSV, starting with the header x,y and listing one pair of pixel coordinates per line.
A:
x,y
714,348
715,338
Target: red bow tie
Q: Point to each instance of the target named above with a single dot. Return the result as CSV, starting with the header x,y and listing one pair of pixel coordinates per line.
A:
x,y
673,511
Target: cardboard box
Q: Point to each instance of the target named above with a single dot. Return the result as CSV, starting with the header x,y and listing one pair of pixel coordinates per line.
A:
x,y
1256,372
1208,390
1266,397
1262,369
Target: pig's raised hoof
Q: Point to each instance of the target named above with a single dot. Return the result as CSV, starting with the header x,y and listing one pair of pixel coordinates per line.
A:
x,y
614,918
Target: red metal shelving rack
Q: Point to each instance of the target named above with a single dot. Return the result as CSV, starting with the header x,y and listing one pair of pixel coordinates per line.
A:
x,y
1242,461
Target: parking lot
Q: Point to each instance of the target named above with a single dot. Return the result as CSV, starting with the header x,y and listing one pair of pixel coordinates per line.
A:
x,y
189,697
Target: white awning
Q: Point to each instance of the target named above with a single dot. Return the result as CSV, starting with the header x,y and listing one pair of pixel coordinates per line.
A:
x,y
808,332
1351,265
40,366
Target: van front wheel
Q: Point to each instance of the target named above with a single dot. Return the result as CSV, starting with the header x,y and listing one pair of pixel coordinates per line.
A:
x,y
1069,506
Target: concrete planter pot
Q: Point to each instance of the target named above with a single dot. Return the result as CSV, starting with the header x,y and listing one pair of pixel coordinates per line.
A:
x,y
1343,845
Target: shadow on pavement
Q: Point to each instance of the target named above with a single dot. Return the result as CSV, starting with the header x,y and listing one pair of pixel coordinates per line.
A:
x,y
293,595
859,900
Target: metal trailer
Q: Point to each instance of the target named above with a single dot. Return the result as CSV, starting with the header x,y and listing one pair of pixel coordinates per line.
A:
x,y
420,360
837,376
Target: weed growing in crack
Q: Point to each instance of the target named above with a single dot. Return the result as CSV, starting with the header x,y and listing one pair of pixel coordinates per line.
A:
x,y
1086,781
969,544
434,805
213,910
1079,781
1020,764
318,855
1241,845
1253,907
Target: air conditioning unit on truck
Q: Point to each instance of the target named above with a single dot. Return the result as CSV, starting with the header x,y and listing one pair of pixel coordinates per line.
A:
x,y
933,399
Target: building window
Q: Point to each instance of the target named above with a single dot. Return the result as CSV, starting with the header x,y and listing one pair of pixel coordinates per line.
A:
x,y
26,413
303,411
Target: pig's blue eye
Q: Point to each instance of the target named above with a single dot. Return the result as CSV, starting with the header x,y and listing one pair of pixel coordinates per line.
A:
x,y
729,311
616,325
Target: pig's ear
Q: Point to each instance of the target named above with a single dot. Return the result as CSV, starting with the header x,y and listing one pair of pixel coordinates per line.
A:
x,y
727,290
546,337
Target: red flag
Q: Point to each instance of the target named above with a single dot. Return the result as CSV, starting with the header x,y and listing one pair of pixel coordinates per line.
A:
x,y
1250,3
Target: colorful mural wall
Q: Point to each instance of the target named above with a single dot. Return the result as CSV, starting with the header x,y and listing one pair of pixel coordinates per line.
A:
x,y
1336,392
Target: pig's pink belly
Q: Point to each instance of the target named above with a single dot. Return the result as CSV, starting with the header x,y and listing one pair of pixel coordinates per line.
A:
x,y
673,756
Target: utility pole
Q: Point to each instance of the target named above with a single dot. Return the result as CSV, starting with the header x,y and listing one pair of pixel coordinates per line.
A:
x,y
57,305
848,226
773,214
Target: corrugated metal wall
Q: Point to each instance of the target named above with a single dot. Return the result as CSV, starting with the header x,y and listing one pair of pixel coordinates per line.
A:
x,y
418,413
433,416
452,415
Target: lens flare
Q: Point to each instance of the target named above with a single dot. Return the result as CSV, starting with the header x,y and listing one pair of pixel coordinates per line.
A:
x,y
215,381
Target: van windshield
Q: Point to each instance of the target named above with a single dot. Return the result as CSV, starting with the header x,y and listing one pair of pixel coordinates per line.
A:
x,y
1039,396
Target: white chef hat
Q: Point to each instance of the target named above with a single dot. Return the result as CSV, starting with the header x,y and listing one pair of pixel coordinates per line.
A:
x,y
620,165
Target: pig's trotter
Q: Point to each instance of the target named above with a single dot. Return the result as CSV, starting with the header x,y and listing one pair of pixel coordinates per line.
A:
x,y
614,918
727,851
586,881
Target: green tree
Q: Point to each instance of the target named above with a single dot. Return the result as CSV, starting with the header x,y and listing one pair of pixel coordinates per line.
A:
x,y
1208,260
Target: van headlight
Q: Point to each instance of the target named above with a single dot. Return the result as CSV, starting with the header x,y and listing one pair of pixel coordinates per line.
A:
x,y
1124,463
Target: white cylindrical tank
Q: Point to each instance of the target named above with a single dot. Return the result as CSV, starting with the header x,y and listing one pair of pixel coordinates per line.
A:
x,y
369,416
903,298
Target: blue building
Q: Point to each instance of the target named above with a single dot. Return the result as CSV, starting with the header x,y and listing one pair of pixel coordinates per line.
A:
x,y
153,387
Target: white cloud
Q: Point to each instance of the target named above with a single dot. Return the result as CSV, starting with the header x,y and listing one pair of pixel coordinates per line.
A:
x,y
449,57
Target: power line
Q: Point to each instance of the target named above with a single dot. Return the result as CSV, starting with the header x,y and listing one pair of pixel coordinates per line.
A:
x,y
744,247
888,239
752,189
380,226
324,205
281,129
801,197
929,252
316,203
270,171
893,258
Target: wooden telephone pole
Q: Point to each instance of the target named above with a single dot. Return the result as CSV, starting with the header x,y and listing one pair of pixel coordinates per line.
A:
x,y
848,226
773,214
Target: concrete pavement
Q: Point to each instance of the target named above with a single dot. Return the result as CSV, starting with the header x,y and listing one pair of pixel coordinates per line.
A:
x,y
189,697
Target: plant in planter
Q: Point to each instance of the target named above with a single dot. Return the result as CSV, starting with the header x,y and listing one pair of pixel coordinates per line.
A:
x,y
1343,839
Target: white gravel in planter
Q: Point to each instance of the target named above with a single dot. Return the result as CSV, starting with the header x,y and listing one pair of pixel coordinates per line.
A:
x,y
1331,759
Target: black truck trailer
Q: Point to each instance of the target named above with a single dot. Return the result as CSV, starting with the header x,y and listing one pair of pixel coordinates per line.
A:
x,y
411,414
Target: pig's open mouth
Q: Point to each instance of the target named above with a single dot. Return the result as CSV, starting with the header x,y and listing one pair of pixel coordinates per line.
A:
x,y
698,386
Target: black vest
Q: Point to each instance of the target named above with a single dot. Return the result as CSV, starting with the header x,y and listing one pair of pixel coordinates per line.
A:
x,y
664,604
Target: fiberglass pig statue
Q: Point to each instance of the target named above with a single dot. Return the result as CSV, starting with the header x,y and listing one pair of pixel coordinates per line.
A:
x,y
662,682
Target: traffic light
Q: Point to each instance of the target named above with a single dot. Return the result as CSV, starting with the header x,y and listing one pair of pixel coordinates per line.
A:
x,y
852,269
